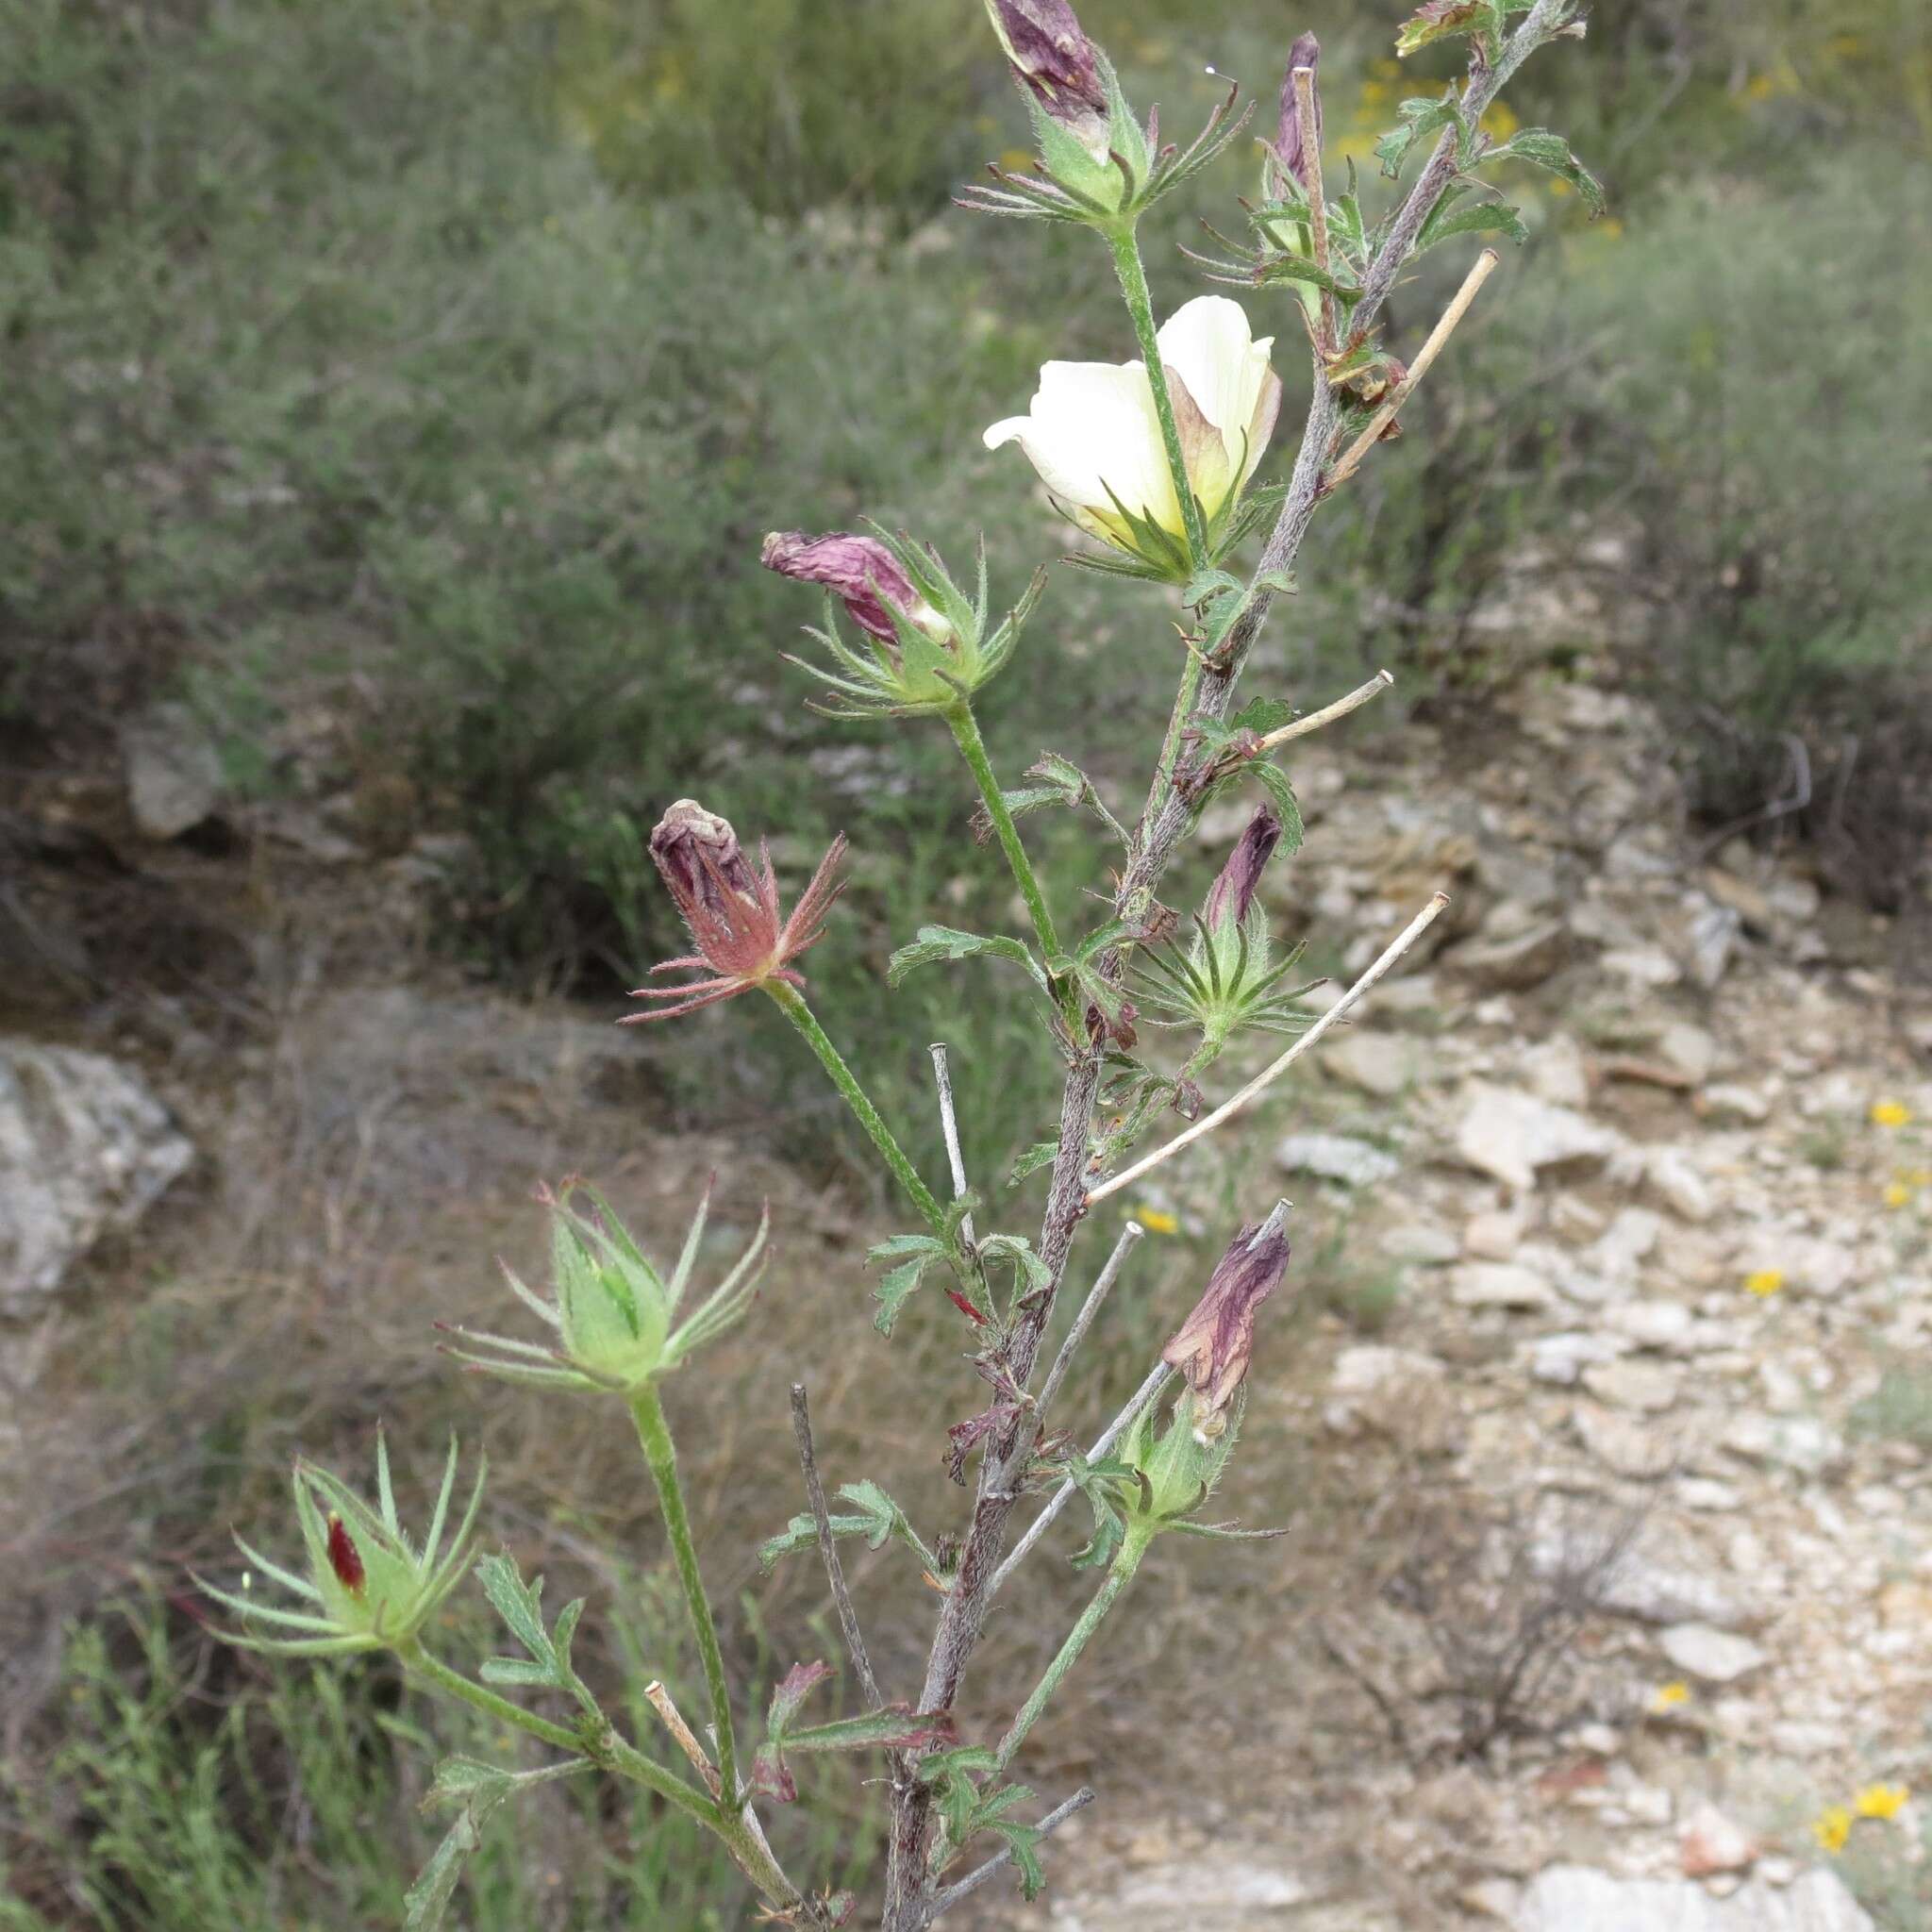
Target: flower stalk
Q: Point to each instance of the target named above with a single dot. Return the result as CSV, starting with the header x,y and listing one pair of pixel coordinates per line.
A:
x,y
791,1003
965,728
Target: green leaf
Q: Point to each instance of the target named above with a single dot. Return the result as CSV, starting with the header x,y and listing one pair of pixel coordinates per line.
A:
x,y
520,1607
893,1291
478,1788
935,942
1022,1841
1273,781
1489,218
1261,716
1298,268
1542,149
892,1727
1418,118
1041,1154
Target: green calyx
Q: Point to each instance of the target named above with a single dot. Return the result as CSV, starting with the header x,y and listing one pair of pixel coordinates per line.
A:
x,y
916,673
1179,1463
614,1313
1227,979
368,1587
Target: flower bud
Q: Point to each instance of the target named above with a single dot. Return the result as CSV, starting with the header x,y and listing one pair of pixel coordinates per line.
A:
x,y
1292,142
1053,59
861,571
370,1589
343,1556
1232,894
697,853
613,1312
731,910
1213,1345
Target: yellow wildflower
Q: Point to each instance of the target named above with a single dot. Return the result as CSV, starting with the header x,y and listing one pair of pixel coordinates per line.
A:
x,y
1158,1220
1669,1696
1832,1827
1898,1195
1500,121
1016,160
1881,1801
1764,1282
1890,1113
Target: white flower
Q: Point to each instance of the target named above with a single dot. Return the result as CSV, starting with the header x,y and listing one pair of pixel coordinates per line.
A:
x,y
1095,440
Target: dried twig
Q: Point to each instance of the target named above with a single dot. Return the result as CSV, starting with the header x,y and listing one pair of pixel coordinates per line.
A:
x,y
828,1549
659,1699
1439,337
1148,1392
1329,713
949,1122
1304,82
1234,1102
1130,1238
953,1894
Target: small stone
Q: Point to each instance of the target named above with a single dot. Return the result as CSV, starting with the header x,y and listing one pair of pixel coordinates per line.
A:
x,y
1337,1157
1555,1072
1671,1175
1797,1443
1642,966
1378,1063
1399,1392
1687,1050
1735,1102
1499,1284
173,770
1710,1654
1492,1898
1627,1240
1494,1236
1639,1450
1514,964
1710,1842
1652,1324
1511,1135
1706,1493
1561,1358
1420,1242
1646,1386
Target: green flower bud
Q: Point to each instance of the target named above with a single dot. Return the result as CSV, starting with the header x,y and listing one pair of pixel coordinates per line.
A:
x,y
613,1313
368,1587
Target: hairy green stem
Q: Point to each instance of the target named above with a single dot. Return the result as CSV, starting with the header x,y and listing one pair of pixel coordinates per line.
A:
x,y
610,1749
792,1003
973,749
654,1435
1133,277
1124,1564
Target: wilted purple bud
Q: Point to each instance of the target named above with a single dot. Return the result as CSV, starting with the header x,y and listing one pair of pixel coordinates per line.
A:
x,y
1053,62
1292,139
1233,892
1215,1341
860,570
698,854
344,1559
732,911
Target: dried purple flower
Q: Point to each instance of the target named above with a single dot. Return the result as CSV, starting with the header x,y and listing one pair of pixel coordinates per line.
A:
x,y
1053,59
1214,1343
731,910
861,571
1233,891
1292,139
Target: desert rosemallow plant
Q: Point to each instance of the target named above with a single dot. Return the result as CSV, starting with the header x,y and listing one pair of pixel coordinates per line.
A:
x,y
1155,457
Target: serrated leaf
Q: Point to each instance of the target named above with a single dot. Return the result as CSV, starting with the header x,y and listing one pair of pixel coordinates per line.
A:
x,y
518,1603
937,943
1489,218
1542,149
893,1290
478,1788
1022,1841
1261,716
1041,1154
1417,119
1273,780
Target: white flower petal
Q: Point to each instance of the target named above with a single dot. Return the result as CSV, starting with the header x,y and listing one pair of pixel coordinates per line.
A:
x,y
1093,429
1208,342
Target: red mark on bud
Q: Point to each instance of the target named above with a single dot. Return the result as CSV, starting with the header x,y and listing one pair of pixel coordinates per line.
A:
x,y
343,1556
